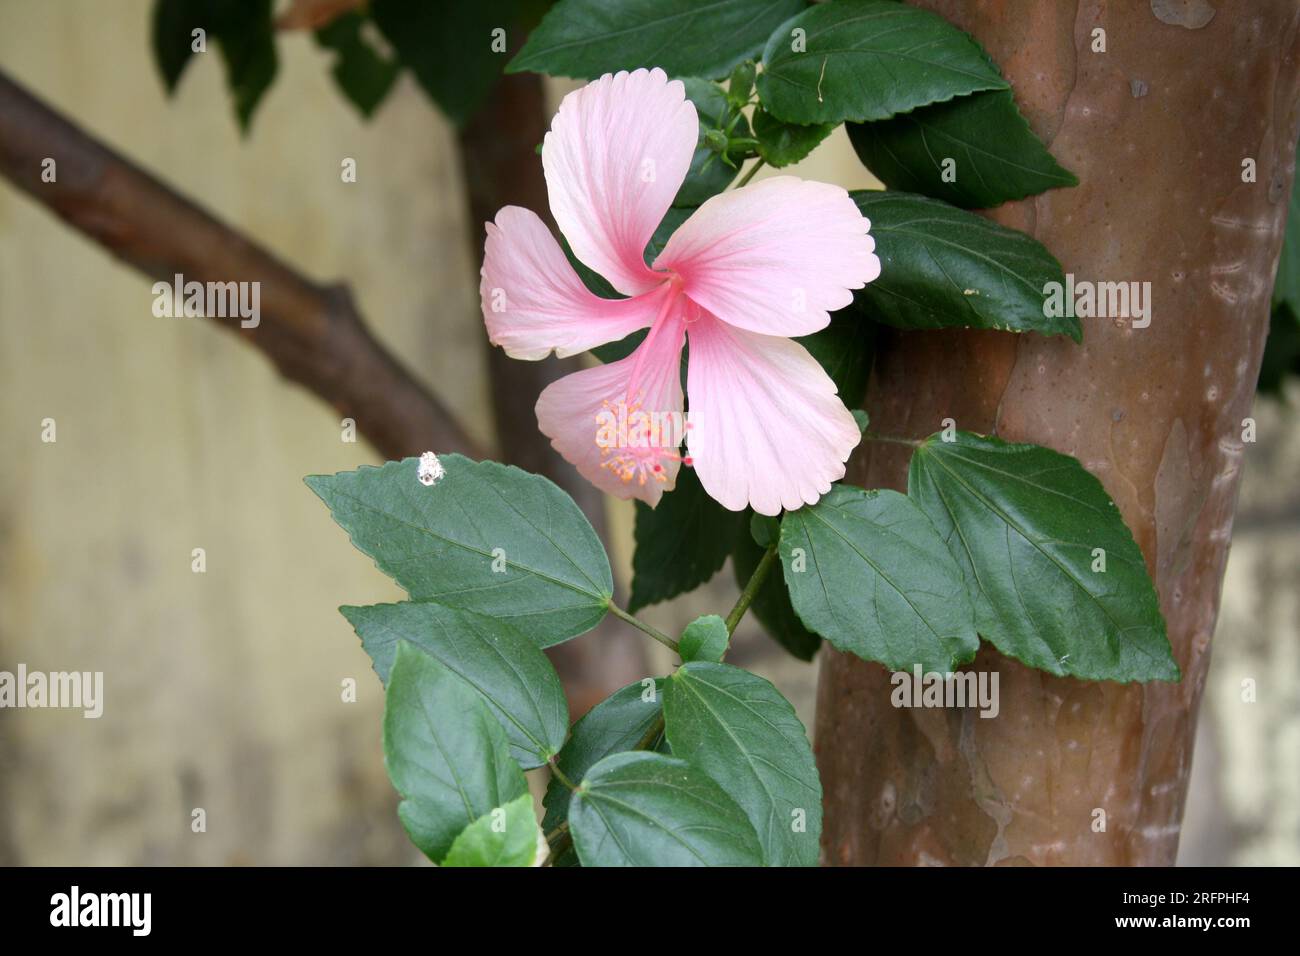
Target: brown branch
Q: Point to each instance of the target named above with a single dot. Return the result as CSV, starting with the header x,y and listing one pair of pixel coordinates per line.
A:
x,y
312,333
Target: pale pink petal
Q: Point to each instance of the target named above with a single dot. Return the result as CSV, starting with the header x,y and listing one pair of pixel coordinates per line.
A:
x,y
616,154
582,412
534,302
767,428
774,257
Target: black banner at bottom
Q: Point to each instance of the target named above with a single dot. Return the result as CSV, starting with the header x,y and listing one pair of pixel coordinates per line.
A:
x,y
335,905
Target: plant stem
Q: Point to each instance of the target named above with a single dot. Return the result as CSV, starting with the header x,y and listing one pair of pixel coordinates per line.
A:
x,y
555,769
911,442
751,589
557,841
750,174
641,625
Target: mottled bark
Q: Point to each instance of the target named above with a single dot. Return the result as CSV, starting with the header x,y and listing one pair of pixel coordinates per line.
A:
x,y
1156,128
502,168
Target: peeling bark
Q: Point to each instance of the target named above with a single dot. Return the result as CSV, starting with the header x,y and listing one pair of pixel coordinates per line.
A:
x,y
1156,129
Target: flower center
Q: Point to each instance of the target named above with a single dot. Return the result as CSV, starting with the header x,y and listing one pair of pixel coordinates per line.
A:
x,y
635,443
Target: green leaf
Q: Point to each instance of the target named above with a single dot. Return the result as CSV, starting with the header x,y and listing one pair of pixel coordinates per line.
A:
x,y
644,809
445,752
487,537
247,41
172,36
242,32
771,606
448,47
994,155
705,639
709,173
507,836
868,60
586,38
738,728
505,666
784,144
364,76
1023,522
943,267
845,349
615,725
764,529
877,580
681,543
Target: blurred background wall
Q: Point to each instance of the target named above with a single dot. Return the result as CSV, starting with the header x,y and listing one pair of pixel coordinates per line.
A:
x,y
223,688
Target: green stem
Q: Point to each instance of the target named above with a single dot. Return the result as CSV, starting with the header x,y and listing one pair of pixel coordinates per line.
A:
x,y
641,625
751,589
750,174
555,769
558,840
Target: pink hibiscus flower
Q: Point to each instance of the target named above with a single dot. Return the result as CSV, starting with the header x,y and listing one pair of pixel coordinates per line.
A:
x,y
750,268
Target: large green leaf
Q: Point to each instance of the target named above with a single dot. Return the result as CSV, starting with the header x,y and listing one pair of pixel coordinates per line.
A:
x,y
771,605
508,836
502,664
644,809
783,144
363,74
449,47
1024,523
445,752
616,724
981,143
681,543
487,537
942,267
877,580
868,60
738,728
585,38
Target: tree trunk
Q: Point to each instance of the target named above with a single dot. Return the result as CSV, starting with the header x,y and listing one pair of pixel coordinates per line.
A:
x,y
1157,128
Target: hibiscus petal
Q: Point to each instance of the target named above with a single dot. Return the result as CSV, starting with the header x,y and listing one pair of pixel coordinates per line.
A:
x,y
775,257
598,418
616,154
534,302
767,428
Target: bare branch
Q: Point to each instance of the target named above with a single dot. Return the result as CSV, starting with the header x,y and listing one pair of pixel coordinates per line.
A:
x,y
312,333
